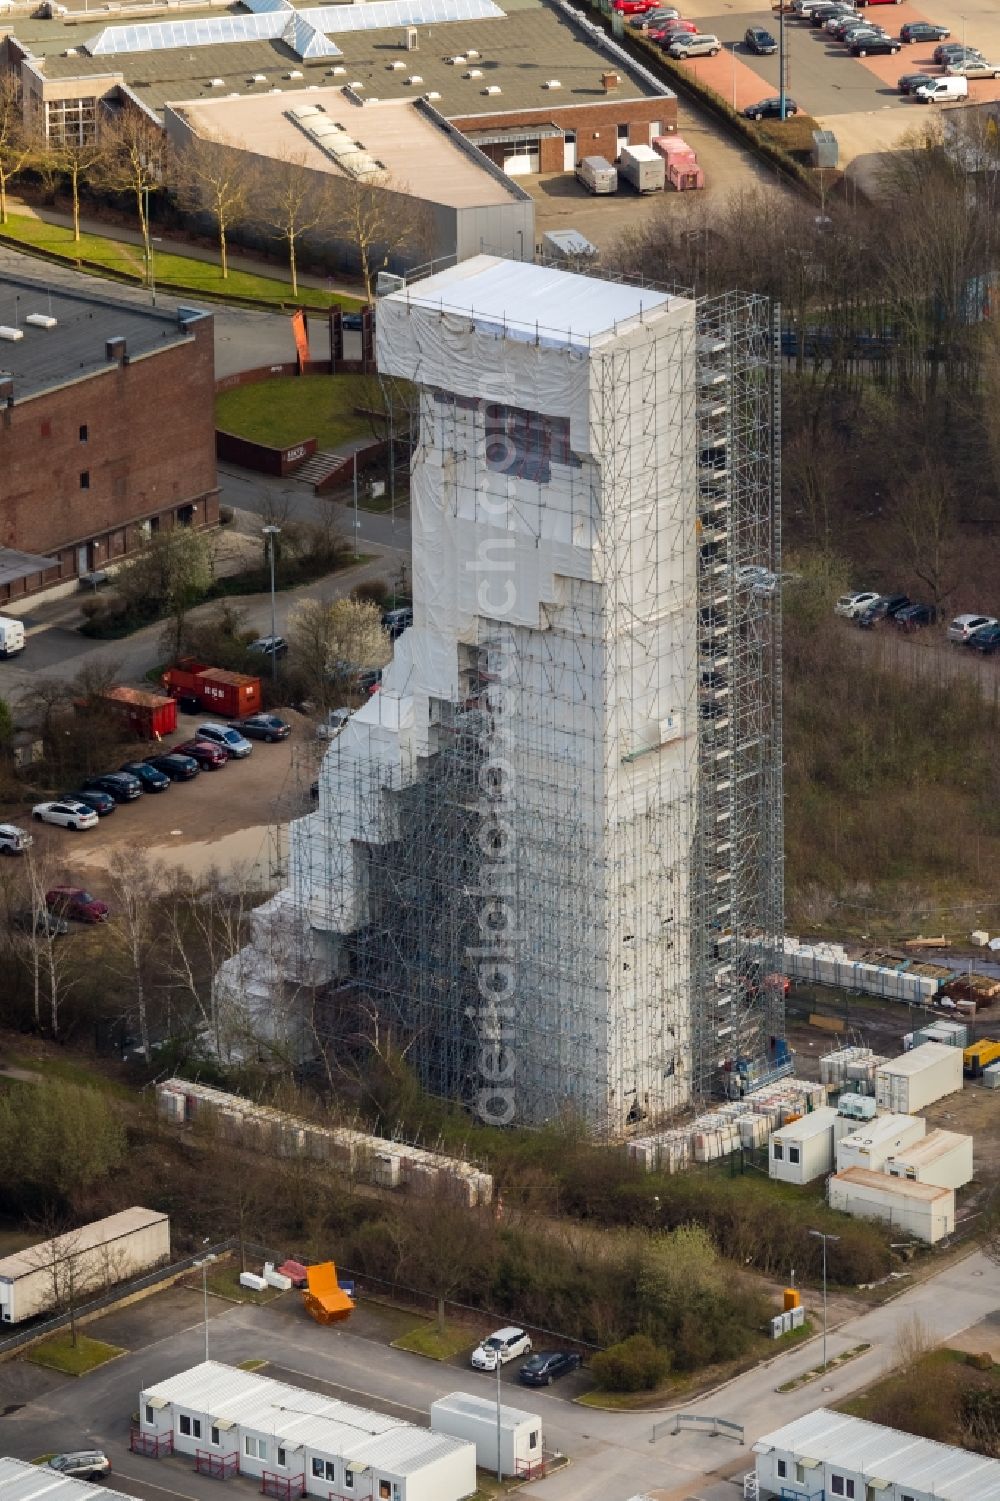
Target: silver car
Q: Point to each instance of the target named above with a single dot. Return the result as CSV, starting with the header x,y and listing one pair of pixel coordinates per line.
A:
x,y
695,44
224,735
973,67
83,1464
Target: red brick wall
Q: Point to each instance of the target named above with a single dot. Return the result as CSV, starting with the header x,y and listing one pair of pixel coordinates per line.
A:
x,y
596,126
149,449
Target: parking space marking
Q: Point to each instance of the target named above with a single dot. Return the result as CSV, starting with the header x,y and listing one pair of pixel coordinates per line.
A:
x,y
152,1485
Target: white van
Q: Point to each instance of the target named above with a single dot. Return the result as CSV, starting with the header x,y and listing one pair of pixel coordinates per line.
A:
x,y
11,637
943,88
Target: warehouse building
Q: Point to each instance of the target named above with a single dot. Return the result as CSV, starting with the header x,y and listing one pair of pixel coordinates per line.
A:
x,y
298,1442
106,431
827,1454
918,1209
536,87
81,1263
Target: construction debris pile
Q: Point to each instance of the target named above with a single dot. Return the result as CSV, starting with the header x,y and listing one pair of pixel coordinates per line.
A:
x,y
374,1159
745,1123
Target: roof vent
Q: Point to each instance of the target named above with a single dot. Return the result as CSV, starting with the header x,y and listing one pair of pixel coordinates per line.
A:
x,y
413,78
70,52
41,320
295,73
471,52
216,83
411,41
336,72
432,95
397,66
609,81
494,88
259,78
355,83
458,58
10,335
552,83
473,73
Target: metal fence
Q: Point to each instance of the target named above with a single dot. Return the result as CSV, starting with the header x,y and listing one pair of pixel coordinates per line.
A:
x,y
716,1427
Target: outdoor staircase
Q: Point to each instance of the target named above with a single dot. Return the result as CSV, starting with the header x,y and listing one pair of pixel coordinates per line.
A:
x,y
318,466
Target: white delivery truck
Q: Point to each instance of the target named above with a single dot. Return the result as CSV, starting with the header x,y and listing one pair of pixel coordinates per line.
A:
x,y
943,89
11,636
597,175
643,167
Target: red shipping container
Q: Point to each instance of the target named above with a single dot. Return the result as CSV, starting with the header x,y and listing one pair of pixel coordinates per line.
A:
x,y
229,694
149,714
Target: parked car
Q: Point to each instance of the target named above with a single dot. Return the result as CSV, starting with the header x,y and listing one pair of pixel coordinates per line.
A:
x,y
632,7
643,20
76,903
950,52
849,22
67,812
395,622
41,921
500,1347
269,646
830,12
147,776
760,41
334,722
910,82
986,641
179,768
227,737
855,34
664,33
963,627
915,616
885,608
923,31
547,1366
122,786
366,679
770,109
874,46
84,1464
973,67
698,44
208,756
13,841
267,727
852,605
102,803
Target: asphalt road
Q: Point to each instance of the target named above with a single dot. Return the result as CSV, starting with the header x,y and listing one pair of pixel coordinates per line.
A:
x,y
612,1454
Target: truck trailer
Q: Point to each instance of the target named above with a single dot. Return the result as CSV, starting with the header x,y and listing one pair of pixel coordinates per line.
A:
x,y
643,167
86,1261
597,175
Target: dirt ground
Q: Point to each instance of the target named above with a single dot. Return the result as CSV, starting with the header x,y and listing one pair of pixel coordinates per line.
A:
x,y
233,818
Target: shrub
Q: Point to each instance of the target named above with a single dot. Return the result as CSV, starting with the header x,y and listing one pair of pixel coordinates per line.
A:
x,y
634,1365
372,591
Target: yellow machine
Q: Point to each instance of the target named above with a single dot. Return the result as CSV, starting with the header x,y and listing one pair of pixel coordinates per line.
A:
x,y
979,1056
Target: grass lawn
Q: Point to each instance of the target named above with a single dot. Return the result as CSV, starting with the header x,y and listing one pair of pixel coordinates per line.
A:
x,y
224,1282
60,1354
428,1339
68,1072
293,408
251,1365
172,269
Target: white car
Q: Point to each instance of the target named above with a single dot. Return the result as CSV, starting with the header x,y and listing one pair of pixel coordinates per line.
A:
x,y
67,813
695,44
756,578
965,626
13,841
973,67
499,1347
853,605
334,722
223,734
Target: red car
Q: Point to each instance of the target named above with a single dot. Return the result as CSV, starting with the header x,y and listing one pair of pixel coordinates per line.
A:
x,y
670,29
74,902
209,757
633,7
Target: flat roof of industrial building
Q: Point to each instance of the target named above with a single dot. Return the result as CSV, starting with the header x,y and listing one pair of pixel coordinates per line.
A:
x,y
97,1233
534,42
902,1188
20,1480
886,1454
534,303
880,1127
420,155
75,347
813,1124
310,1419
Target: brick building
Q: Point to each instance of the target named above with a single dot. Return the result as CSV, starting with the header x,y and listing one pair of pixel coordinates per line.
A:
x,y
106,431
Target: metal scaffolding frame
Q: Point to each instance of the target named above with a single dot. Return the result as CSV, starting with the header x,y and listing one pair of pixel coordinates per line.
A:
x,y
645,846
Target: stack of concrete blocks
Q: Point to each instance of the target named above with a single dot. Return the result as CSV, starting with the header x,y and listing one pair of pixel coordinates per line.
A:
x,y
831,964
846,1068
742,1123
373,1159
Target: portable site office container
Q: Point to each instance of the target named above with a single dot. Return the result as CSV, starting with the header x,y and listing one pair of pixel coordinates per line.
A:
x,y
918,1078
475,1419
20,1480
282,1435
941,1158
918,1209
877,1140
830,1454
803,1150
94,1257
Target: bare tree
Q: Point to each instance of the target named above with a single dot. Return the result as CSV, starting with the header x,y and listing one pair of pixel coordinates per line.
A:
x,y
292,203
71,159
134,162
214,178
925,520
134,886
15,143
73,1270
328,638
206,923
381,219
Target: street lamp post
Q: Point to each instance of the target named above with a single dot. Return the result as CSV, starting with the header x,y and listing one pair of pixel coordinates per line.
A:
x,y
499,1426
271,532
819,1235
205,1263
781,59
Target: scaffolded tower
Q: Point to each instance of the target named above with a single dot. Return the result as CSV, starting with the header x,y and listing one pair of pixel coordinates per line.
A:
x,y
546,855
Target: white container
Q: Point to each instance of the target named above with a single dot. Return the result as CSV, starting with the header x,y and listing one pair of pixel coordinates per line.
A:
x,y
874,1143
918,1078
918,1209
941,1158
460,1415
93,1258
11,637
251,1280
597,175
803,1150
643,167
991,1076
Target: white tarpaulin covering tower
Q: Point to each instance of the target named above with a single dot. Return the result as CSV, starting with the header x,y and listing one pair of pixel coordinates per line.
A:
x,y
510,867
